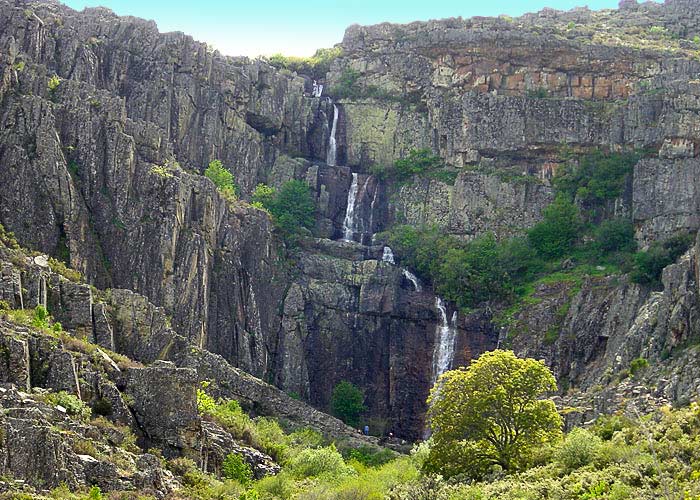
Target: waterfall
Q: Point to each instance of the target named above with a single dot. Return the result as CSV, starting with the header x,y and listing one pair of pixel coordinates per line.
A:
x,y
349,222
371,209
332,144
445,344
412,278
318,89
388,255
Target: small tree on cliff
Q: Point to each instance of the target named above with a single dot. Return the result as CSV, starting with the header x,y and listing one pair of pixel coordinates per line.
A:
x,y
347,403
223,179
491,413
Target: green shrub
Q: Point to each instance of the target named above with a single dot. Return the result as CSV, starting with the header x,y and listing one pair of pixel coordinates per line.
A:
x,y
292,207
578,449
53,84
556,234
347,403
60,267
596,177
648,264
606,426
73,404
371,457
326,462
316,66
616,235
41,317
262,434
234,467
95,493
222,179
263,196
637,365
417,162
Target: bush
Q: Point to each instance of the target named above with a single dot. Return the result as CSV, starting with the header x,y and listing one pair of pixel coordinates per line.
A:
x,y
315,66
53,84
606,426
417,162
648,264
596,177
293,208
262,434
347,403
578,449
73,404
41,317
263,196
326,462
556,234
234,467
638,365
371,457
222,179
616,235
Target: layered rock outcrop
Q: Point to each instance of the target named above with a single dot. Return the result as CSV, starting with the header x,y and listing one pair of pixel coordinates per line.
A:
x,y
103,139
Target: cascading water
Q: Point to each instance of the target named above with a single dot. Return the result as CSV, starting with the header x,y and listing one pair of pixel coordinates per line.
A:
x,y
412,278
318,89
349,222
445,345
332,143
388,255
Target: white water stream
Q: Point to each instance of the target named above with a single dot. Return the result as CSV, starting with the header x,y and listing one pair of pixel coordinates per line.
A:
x,y
446,332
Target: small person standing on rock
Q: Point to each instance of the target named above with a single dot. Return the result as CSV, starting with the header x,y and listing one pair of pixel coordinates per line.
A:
x,y
366,430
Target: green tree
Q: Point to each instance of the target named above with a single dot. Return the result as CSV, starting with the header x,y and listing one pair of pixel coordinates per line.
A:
x,y
649,263
616,235
222,179
595,177
558,231
234,467
492,413
263,196
293,207
473,273
418,161
347,403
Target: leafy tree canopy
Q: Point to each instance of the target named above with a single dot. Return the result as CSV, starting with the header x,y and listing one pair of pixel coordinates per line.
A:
x,y
347,403
492,413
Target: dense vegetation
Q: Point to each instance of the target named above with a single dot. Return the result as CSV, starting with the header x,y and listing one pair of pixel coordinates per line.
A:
x,y
491,414
573,234
292,207
418,162
347,403
495,435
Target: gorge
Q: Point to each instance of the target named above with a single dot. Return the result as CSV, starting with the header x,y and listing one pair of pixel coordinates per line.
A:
x,y
455,129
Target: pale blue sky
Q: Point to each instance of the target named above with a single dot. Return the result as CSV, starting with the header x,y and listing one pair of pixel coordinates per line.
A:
x,y
295,27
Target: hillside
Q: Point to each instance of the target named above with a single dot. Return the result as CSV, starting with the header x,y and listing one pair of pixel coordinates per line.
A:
x,y
525,183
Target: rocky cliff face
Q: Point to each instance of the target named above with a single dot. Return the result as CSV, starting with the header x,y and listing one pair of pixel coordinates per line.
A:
x,y
100,168
148,399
